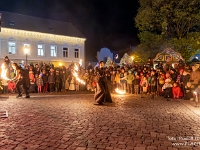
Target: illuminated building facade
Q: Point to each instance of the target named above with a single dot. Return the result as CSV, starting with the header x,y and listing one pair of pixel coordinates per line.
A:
x,y
47,40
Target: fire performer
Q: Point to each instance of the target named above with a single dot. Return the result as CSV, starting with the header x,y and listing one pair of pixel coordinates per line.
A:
x,y
102,93
20,80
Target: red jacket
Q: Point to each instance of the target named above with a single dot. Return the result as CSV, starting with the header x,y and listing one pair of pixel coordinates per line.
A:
x,y
177,93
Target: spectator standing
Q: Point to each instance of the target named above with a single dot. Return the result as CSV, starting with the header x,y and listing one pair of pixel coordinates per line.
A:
x,y
67,83
136,84
117,79
63,78
45,81
130,78
123,80
72,84
51,80
153,83
58,81
113,83
36,69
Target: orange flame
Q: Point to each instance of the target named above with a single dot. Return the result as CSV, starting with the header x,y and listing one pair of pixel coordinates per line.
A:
x,y
3,72
76,75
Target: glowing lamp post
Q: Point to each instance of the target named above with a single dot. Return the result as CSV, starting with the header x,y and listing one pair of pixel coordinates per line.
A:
x,y
26,51
132,58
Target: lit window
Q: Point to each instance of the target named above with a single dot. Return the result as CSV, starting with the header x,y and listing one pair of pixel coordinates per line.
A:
x,y
53,51
65,52
27,49
76,53
11,48
40,50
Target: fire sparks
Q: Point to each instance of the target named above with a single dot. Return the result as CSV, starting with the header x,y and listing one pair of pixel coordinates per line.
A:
x,y
120,91
3,72
75,73
80,62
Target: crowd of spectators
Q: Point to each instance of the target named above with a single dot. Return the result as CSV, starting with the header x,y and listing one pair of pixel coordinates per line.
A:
x,y
169,80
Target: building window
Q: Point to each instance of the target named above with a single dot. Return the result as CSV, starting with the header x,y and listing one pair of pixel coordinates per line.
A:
x,y
53,51
11,48
40,50
76,53
12,23
27,49
65,52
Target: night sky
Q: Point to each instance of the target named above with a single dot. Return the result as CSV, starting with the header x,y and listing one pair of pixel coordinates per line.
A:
x,y
105,23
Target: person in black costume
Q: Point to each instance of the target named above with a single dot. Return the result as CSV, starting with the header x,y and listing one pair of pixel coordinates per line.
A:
x,y
20,80
102,93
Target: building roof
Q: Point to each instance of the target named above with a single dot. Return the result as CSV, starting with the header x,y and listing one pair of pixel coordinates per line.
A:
x,y
36,24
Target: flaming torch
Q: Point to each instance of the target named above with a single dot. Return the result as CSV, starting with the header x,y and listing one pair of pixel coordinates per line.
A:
x,y
80,62
120,91
3,72
75,73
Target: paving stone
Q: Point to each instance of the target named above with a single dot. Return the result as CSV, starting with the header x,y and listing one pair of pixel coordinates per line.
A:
x,y
139,148
72,122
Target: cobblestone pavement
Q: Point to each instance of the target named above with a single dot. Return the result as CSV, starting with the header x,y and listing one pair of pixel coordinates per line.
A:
x,y
66,122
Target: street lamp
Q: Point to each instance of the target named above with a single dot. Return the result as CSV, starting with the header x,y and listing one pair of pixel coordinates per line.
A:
x,y
132,58
26,50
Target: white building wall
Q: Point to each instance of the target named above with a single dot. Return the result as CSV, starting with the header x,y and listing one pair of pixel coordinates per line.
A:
x,y
22,39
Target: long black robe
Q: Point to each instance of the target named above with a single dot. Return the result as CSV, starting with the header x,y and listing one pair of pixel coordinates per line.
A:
x,y
102,93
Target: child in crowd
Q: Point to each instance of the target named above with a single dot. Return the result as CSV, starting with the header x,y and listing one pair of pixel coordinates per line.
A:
x,y
11,86
39,83
188,92
67,83
167,88
144,84
72,84
77,86
176,90
32,86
